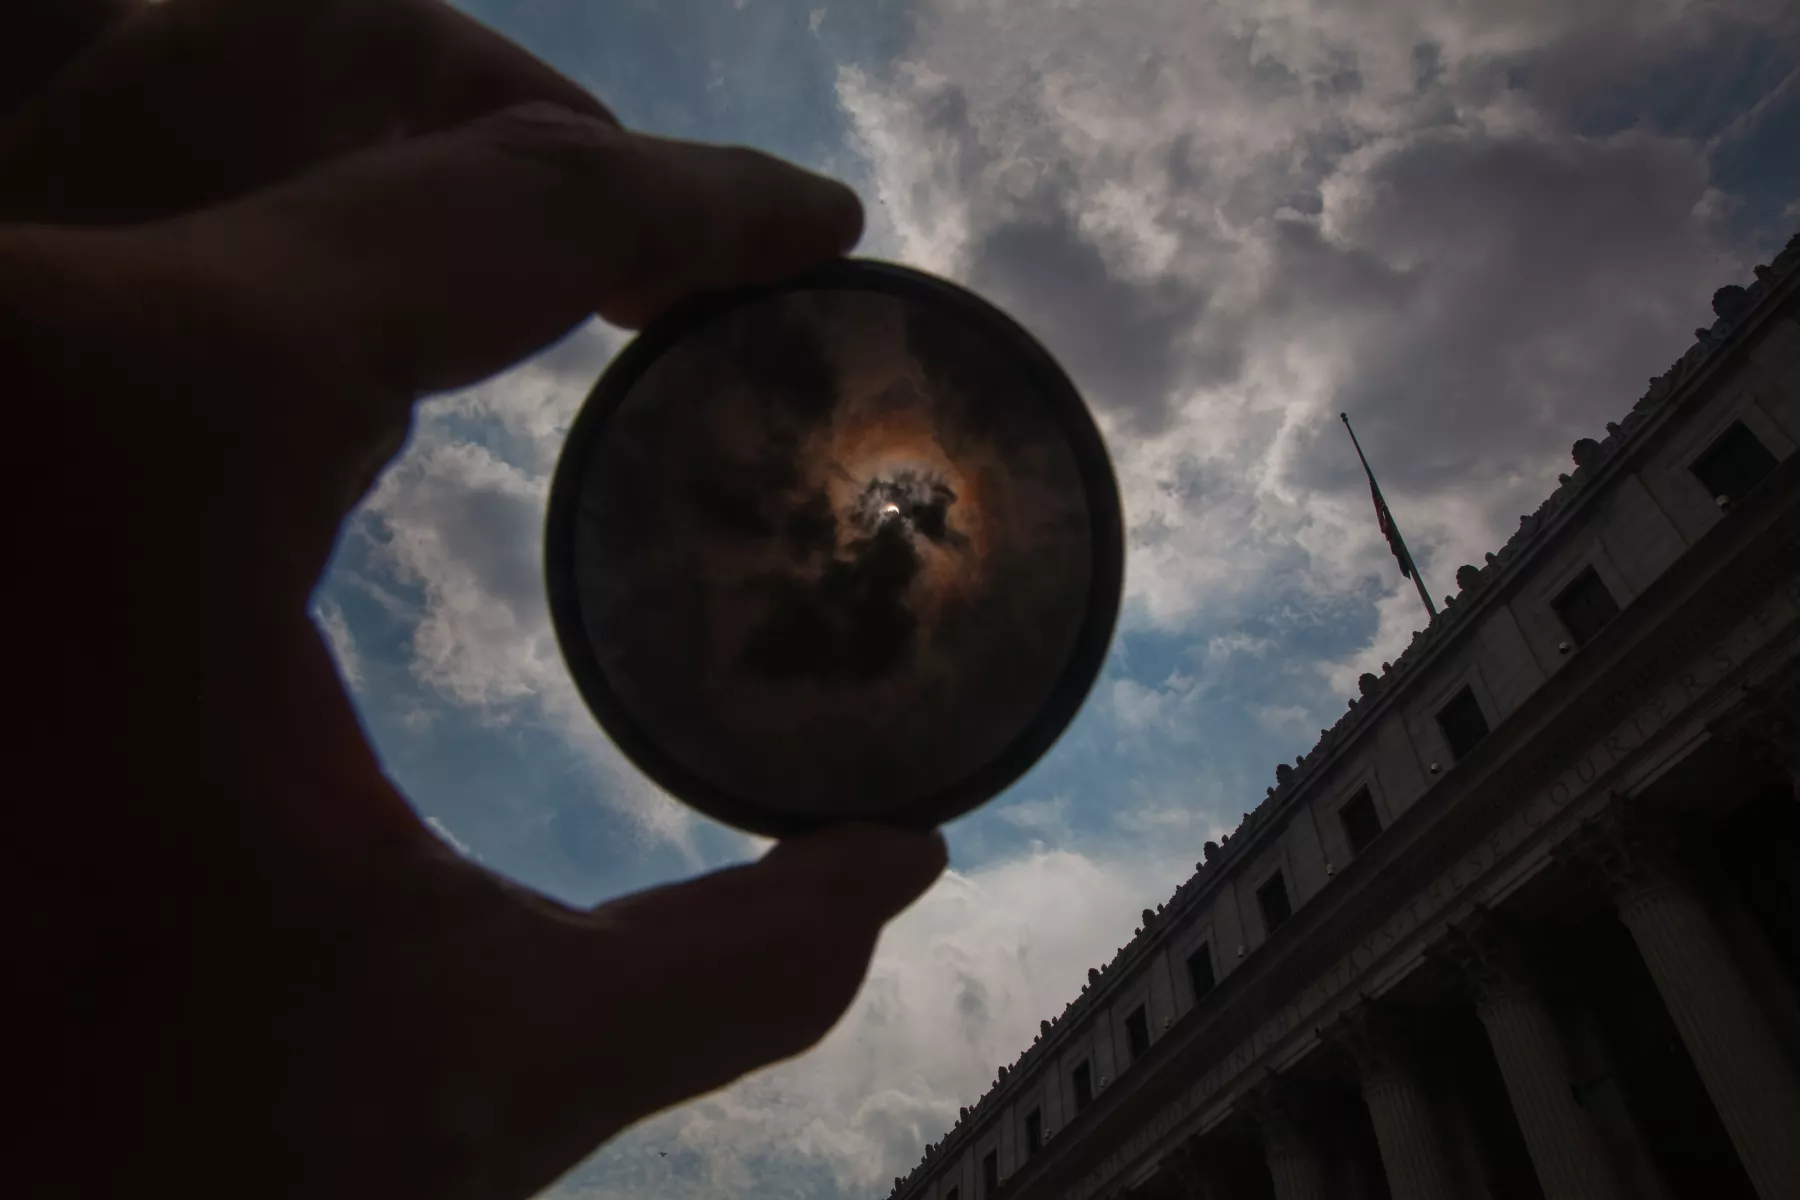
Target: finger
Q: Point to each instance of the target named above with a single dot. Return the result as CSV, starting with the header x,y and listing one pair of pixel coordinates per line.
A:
x,y
557,1029
438,261
39,37
291,330
191,102
724,974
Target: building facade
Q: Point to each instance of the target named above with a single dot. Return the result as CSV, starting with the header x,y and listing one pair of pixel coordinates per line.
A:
x,y
1526,921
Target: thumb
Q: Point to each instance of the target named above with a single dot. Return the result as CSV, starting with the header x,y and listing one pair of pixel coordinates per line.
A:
x,y
682,989
442,259
621,1012
756,963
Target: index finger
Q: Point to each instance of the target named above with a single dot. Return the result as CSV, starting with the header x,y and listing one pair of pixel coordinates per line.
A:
x,y
438,262
191,102
37,37
321,309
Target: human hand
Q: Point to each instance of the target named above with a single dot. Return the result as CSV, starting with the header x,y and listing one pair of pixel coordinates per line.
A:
x,y
240,240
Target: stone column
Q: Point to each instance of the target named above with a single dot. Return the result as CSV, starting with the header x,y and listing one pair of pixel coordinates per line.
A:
x,y
1294,1161
1468,1155
1565,1146
1191,1168
1765,726
1725,1030
1412,1147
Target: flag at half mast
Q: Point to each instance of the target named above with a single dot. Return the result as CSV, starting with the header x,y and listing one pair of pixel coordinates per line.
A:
x,y
1384,519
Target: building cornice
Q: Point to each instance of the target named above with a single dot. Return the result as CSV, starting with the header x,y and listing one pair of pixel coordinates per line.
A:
x,y
1446,851
1668,396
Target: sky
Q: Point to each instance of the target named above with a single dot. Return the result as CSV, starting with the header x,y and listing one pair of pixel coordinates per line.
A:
x,y
1478,226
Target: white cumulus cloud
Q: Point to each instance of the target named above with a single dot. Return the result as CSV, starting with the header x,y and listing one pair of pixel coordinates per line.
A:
x,y
957,988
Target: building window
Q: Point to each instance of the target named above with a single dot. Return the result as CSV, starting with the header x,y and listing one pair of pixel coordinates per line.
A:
x,y
1137,1032
1272,898
1734,464
1463,723
1084,1087
1585,606
1034,1131
990,1173
1200,970
1361,825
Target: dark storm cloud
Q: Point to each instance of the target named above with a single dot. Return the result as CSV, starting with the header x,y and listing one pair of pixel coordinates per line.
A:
x,y
1479,229
1117,337
1262,76
1344,80
972,1007
1187,168
1313,279
1428,64
959,157
1545,287
1722,76
1689,76
1754,162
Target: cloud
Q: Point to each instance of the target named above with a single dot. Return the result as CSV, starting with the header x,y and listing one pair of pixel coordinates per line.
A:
x,y
1226,646
458,516
1283,718
1231,223
1047,817
1550,277
958,986
1118,337
1479,228
1166,709
330,620
450,839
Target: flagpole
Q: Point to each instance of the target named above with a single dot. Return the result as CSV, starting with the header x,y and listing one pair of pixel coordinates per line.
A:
x,y
1410,566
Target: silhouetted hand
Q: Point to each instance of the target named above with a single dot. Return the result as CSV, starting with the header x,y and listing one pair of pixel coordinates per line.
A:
x,y
240,238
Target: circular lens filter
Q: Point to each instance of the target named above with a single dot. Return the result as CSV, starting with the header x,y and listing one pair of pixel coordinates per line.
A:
x,y
845,549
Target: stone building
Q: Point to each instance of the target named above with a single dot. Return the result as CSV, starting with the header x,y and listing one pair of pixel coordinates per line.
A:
x,y
1526,921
